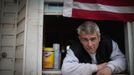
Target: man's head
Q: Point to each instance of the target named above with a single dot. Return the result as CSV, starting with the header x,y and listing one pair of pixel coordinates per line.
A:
x,y
89,35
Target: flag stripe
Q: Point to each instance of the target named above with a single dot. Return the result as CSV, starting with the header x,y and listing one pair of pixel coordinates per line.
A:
x,y
99,7
109,2
101,15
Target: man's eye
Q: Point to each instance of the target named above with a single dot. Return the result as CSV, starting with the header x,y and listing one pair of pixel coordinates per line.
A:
x,y
84,40
93,39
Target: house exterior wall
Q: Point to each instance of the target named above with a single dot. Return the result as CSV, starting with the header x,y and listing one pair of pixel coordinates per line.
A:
x,y
20,32
21,25
8,9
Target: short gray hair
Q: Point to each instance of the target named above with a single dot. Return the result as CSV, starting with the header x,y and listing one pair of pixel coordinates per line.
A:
x,y
88,27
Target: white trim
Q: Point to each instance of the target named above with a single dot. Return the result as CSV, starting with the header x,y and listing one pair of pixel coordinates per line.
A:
x,y
129,47
40,36
25,38
51,72
53,1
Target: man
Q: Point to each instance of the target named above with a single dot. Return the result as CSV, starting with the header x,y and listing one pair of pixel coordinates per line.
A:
x,y
92,54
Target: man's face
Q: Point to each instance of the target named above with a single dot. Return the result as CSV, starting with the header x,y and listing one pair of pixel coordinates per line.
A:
x,y
90,42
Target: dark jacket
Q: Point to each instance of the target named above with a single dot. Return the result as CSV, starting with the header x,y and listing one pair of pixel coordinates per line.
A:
x,y
103,52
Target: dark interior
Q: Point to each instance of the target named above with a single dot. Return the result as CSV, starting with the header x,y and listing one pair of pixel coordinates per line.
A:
x,y
59,29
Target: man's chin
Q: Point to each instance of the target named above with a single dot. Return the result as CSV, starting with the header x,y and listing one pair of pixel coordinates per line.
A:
x,y
91,52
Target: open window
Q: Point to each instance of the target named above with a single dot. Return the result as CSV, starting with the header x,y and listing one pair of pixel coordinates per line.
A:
x,y
59,29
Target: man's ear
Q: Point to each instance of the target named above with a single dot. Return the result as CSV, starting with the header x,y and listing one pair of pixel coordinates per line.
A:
x,y
99,38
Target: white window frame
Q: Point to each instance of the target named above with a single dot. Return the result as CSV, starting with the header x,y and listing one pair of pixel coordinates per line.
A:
x,y
129,42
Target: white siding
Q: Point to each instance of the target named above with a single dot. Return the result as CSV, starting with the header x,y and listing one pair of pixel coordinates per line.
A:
x,y
8,9
8,40
7,64
20,29
6,73
18,66
8,29
29,37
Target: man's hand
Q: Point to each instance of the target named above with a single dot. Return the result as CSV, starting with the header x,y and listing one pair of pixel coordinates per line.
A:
x,y
105,71
101,66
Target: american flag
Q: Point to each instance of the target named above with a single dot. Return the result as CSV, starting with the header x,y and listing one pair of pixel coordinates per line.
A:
x,y
120,10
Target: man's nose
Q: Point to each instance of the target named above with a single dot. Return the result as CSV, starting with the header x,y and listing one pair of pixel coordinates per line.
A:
x,y
89,43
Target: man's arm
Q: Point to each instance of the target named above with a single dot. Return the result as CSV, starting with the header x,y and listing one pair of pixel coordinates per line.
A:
x,y
117,63
118,60
71,66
